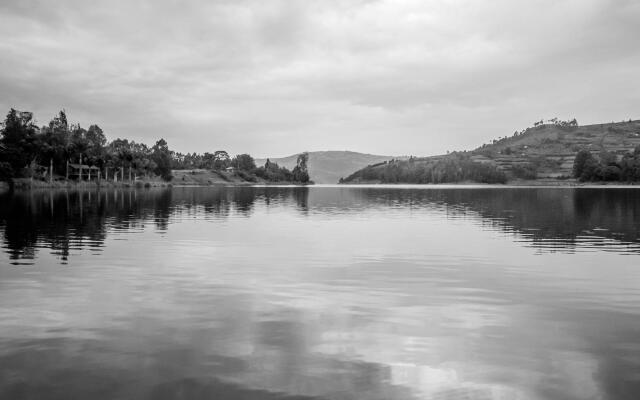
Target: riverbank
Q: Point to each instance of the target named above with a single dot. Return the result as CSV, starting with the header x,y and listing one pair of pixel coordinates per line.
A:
x,y
194,177
26,183
205,177
515,182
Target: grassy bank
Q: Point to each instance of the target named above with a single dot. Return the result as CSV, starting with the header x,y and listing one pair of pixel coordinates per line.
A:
x,y
192,177
25,183
206,177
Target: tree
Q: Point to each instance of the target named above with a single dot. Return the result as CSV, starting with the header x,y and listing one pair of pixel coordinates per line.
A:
x,y
221,160
630,165
162,157
592,170
95,142
244,162
583,158
19,139
300,172
208,160
607,158
58,144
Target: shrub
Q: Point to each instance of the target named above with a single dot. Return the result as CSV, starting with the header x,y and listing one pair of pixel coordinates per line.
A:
x,y
525,171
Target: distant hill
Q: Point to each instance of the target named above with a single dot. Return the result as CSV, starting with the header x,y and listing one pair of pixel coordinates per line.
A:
x,y
546,151
330,166
550,149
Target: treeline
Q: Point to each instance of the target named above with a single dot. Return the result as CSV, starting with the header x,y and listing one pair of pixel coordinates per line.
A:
x,y
455,167
30,151
244,166
607,167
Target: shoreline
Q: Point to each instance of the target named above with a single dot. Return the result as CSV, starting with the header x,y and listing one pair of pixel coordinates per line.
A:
x,y
26,185
568,183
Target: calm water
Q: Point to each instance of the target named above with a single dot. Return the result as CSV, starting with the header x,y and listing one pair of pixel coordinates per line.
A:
x,y
321,292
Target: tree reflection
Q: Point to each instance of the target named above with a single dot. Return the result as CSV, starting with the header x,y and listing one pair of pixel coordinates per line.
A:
x,y
64,220
550,218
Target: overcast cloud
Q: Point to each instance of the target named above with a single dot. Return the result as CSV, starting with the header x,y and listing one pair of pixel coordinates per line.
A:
x,y
274,78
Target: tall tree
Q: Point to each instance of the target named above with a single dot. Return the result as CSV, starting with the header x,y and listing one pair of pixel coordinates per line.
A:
x,y
583,158
221,159
300,171
19,140
162,157
244,162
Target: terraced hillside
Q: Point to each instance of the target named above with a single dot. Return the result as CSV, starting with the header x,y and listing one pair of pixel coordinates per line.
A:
x,y
549,150
546,151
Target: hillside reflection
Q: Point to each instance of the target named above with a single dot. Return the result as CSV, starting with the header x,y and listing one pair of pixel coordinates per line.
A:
x,y
561,219
549,219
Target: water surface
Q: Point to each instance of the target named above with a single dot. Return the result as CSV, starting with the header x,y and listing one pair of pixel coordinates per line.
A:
x,y
320,292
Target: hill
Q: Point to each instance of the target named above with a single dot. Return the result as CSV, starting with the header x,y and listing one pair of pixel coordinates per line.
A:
x,y
545,151
330,166
549,150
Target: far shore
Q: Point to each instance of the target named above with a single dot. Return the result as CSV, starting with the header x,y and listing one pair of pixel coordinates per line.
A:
x,y
27,184
513,183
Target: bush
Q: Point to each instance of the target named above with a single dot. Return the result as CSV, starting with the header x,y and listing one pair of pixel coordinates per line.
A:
x,y
525,171
579,163
246,176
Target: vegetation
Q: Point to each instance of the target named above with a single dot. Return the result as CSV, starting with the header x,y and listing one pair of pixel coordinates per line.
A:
x,y
455,167
607,167
274,173
330,166
29,151
547,150
544,152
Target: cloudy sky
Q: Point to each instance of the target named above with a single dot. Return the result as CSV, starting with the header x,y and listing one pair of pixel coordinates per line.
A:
x,y
273,77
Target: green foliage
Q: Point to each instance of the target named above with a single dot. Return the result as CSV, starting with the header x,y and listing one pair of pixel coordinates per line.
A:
x,y
300,172
586,167
162,158
580,162
221,160
27,148
525,171
246,175
272,172
243,162
456,167
18,137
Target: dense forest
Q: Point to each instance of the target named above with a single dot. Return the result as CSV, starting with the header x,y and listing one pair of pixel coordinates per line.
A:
x,y
30,151
455,167
607,166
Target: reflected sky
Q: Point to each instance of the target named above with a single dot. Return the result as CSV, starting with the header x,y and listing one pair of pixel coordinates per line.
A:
x,y
321,292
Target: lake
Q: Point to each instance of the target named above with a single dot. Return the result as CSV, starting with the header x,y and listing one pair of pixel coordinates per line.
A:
x,y
330,292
